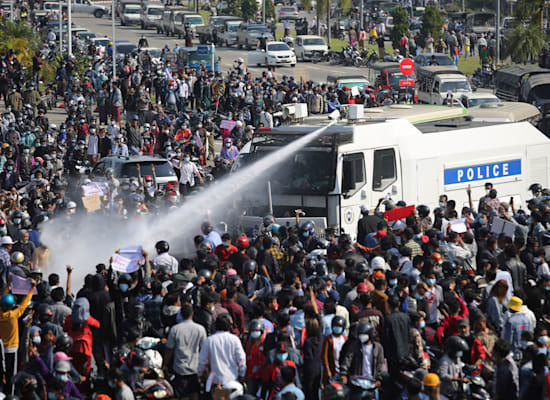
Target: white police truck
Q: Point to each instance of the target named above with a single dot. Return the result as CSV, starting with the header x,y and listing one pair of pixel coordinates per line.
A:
x,y
357,163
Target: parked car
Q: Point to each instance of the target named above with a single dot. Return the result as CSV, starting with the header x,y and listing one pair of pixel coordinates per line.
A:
x,y
248,34
228,33
305,45
425,59
87,7
214,23
87,36
476,99
123,49
163,24
131,15
276,53
149,14
288,12
124,168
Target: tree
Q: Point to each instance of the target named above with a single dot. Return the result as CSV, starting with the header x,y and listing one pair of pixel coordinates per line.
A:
x,y
524,44
270,9
400,26
431,23
320,10
249,8
20,38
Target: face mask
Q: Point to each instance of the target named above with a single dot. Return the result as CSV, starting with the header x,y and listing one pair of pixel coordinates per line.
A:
x,y
441,204
467,334
413,287
255,334
542,339
225,244
193,142
17,221
228,145
547,288
422,324
337,330
459,354
364,338
306,234
418,296
111,384
124,287
393,282
10,168
282,357
522,344
537,260
63,377
186,159
430,282
149,184
37,339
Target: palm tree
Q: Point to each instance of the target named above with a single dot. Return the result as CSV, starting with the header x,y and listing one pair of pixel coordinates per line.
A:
x,y
524,44
19,37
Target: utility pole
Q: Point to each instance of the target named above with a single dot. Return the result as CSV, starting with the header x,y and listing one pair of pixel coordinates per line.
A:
x,y
263,12
361,14
498,32
114,38
462,5
69,30
328,23
60,30
11,10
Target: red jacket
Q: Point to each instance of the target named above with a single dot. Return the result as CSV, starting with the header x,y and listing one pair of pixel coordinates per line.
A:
x,y
223,252
449,326
81,335
255,358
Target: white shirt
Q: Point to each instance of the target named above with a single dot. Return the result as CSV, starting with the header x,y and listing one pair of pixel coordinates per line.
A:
x,y
168,260
367,360
93,145
338,343
224,353
543,269
508,278
267,119
187,173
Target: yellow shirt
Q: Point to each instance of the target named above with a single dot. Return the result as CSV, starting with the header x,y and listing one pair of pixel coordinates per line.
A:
x,y
9,327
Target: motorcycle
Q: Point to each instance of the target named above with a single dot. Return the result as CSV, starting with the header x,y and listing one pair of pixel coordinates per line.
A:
x,y
484,76
363,388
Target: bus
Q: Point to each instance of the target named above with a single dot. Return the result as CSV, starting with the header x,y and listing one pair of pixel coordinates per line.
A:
x,y
481,22
190,57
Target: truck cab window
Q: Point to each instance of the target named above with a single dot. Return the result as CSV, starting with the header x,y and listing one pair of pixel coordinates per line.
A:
x,y
436,87
384,170
353,173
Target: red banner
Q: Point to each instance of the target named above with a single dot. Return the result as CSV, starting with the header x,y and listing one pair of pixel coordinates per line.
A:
x,y
398,213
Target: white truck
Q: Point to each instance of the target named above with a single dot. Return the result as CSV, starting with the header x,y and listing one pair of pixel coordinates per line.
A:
x,y
436,84
357,164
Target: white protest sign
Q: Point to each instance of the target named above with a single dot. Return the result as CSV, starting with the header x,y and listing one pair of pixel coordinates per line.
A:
x,y
92,188
355,91
127,259
459,226
227,124
20,285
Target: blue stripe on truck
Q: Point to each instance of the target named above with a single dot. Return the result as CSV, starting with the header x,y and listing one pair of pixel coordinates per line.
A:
x,y
482,172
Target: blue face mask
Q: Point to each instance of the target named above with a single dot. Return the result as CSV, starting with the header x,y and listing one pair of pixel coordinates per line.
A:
x,y
459,354
226,244
51,396
306,234
124,287
430,282
422,324
392,282
537,260
441,204
63,377
547,288
337,330
413,287
282,357
418,296
37,339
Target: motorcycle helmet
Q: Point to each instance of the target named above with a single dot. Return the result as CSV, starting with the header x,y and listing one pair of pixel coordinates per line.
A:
x,y
45,313
162,247
25,383
344,240
243,242
205,273
256,328
308,229
365,332
119,357
334,391
423,211
207,227
448,267
136,358
250,266
455,344
362,267
7,302
431,380
63,343
268,220
206,245
17,258
535,188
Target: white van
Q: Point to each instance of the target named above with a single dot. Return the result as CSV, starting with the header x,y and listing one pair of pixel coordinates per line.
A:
x,y
150,14
436,83
305,45
351,165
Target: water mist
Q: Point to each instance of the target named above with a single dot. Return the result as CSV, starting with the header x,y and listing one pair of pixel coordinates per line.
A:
x,y
88,240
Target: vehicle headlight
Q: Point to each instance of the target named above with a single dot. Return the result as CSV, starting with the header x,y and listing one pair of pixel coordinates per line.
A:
x,y
160,394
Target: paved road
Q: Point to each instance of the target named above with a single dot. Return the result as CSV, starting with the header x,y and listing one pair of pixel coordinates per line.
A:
x,y
306,70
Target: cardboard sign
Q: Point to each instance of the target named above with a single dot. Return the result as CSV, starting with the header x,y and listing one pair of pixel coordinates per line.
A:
x,y
92,203
227,124
398,213
355,91
20,285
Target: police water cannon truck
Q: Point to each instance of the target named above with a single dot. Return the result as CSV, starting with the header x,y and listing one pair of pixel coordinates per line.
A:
x,y
355,163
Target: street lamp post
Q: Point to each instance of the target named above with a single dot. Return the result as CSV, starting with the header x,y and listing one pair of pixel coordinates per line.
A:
x,y
498,32
69,30
60,30
114,38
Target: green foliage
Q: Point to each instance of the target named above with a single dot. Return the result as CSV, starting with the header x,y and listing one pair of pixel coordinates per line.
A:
x,y
525,9
270,10
524,44
19,36
431,23
248,10
400,26
233,7
346,5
